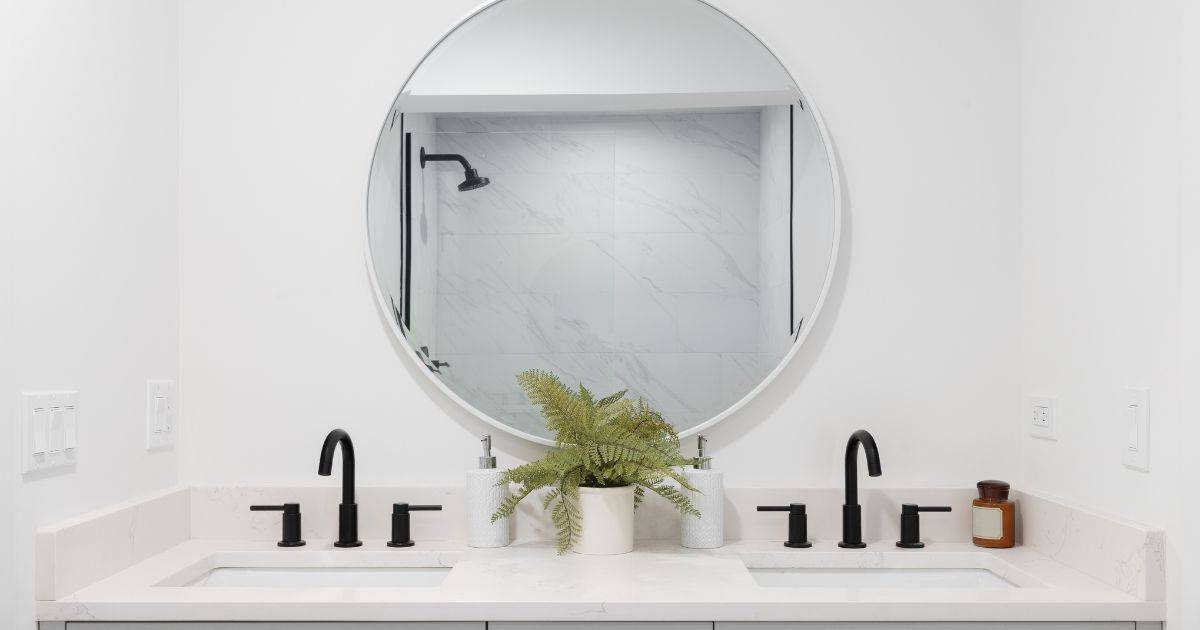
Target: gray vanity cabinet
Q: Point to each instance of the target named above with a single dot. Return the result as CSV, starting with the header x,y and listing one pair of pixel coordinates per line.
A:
x,y
602,625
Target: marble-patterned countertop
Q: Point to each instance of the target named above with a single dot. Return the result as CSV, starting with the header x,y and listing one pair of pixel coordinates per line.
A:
x,y
657,582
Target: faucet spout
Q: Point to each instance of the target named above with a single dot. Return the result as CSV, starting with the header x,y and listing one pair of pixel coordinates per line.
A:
x,y
851,510
860,437
348,510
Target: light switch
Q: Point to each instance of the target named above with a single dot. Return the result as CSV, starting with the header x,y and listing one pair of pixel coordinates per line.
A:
x,y
39,427
159,404
70,427
1135,420
56,430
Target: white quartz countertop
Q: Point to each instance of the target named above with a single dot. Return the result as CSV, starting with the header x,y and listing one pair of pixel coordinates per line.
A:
x,y
657,582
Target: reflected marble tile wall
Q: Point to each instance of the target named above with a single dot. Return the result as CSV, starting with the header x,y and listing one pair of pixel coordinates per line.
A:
x,y
616,251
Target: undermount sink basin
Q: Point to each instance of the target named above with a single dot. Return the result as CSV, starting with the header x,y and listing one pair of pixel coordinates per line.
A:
x,y
347,577
969,578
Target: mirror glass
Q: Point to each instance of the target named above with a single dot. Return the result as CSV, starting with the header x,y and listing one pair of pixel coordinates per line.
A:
x,y
628,194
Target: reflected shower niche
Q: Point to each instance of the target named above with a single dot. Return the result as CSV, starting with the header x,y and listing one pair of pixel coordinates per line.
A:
x,y
643,251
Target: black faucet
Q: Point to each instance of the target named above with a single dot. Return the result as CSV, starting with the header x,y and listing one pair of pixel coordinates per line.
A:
x,y
348,510
851,510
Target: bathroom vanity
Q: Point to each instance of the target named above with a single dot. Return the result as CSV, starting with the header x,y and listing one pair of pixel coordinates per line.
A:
x,y
198,558
740,586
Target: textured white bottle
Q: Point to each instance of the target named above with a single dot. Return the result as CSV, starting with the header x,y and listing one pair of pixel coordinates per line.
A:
x,y
483,499
707,531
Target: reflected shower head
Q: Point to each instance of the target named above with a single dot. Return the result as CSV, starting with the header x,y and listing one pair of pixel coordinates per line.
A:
x,y
471,178
473,181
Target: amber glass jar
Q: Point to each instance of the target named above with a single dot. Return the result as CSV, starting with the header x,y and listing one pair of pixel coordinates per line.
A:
x,y
993,516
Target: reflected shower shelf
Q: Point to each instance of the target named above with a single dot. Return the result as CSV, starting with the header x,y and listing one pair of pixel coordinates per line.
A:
x,y
607,102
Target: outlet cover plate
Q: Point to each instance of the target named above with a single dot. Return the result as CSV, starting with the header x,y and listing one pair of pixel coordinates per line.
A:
x,y
1041,418
162,403
1135,428
49,430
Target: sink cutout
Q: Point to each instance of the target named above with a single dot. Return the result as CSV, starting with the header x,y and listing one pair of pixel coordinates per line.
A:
x,y
880,578
315,577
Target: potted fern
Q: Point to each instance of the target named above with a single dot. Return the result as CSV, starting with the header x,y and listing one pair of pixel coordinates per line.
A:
x,y
609,452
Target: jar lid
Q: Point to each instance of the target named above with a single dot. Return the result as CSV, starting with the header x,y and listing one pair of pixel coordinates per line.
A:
x,y
993,490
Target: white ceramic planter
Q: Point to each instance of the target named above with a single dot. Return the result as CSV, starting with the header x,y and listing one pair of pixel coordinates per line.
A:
x,y
607,520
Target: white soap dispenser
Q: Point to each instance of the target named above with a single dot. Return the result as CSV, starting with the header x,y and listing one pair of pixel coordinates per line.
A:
x,y
484,497
707,531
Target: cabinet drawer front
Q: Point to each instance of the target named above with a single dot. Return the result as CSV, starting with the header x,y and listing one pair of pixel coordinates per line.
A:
x,y
600,625
276,625
924,625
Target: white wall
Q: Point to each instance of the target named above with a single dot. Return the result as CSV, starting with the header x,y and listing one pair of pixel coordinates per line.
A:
x,y
1184,578
480,57
88,271
1105,104
281,103
10,572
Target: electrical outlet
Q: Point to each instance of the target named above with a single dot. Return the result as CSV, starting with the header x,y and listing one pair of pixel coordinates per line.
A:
x,y
161,414
1041,418
1135,428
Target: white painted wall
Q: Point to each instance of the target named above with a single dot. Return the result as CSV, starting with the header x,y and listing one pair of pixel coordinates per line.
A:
x,y
88,266
281,104
479,58
1184,577
1109,279
10,572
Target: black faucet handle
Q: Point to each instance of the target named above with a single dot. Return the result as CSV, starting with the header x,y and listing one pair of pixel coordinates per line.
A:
x,y
910,523
797,523
402,522
291,522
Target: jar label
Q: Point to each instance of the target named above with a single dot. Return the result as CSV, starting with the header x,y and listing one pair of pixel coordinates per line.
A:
x,y
987,523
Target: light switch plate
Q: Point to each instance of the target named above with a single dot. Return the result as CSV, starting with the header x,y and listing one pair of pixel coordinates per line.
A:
x,y
49,430
161,414
1135,428
1041,418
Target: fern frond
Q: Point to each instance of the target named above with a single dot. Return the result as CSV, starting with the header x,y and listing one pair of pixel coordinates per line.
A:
x,y
612,398
566,514
550,497
677,498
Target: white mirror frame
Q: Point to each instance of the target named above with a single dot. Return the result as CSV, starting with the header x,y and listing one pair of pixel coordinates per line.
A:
x,y
398,335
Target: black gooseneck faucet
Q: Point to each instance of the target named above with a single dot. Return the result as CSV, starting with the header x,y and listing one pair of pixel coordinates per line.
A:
x,y
851,510
348,510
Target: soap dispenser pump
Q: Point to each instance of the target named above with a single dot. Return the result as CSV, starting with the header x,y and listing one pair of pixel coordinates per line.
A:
x,y
708,530
485,494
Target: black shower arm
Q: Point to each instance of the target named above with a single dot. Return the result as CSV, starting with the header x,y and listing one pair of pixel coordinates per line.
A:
x,y
443,157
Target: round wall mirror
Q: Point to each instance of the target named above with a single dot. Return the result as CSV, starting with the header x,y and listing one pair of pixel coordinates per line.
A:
x,y
629,194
